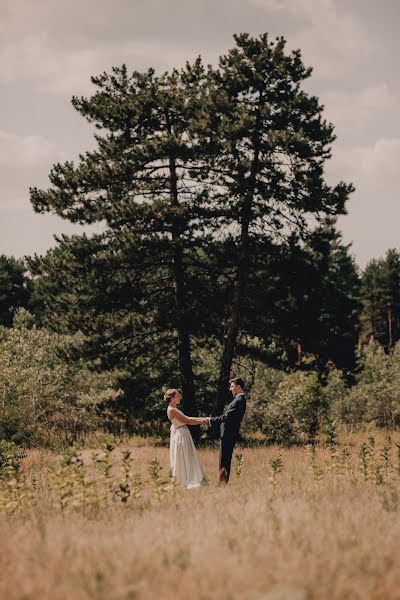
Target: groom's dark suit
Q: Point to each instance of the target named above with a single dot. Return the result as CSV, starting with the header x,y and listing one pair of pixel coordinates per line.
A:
x,y
230,422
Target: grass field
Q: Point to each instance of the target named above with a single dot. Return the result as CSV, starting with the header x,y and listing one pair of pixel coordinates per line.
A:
x,y
293,524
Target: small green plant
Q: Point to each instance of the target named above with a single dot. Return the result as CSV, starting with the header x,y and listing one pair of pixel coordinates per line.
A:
x,y
343,463
155,469
276,465
63,481
124,488
378,475
330,431
385,456
104,459
73,488
137,484
365,459
238,464
315,467
182,559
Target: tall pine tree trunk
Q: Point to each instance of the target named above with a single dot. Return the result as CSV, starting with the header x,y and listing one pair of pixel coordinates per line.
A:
x,y
242,272
184,355
390,327
223,394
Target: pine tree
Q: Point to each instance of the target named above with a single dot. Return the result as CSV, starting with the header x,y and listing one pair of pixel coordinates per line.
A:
x,y
380,317
139,184
15,288
268,172
304,299
196,173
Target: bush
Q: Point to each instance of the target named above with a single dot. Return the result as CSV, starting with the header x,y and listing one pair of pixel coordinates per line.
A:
x,y
336,392
10,458
375,398
292,409
265,384
44,394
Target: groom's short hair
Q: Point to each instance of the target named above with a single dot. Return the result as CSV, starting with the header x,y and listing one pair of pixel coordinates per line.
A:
x,y
238,381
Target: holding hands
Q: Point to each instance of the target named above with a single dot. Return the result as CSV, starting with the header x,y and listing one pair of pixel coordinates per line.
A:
x,y
173,398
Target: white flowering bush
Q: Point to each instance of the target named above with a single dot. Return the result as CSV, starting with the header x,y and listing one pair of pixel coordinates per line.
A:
x,y
45,396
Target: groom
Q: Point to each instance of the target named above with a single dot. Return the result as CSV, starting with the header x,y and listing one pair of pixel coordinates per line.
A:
x,y
230,422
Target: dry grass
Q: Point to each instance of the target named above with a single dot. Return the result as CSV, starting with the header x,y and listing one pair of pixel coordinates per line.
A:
x,y
325,526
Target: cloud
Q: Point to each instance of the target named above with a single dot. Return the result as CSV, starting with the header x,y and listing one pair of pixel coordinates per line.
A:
x,y
57,46
25,161
331,40
39,62
359,114
374,169
24,152
379,164
49,50
364,115
374,209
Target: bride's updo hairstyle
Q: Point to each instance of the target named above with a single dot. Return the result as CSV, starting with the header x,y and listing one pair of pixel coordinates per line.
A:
x,y
169,394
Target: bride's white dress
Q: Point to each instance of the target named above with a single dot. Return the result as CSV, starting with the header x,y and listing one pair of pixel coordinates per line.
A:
x,y
185,466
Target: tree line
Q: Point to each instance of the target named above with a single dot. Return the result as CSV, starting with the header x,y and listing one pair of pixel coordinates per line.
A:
x,y
219,236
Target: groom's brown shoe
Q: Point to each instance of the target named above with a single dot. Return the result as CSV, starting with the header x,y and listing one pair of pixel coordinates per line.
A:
x,y
223,476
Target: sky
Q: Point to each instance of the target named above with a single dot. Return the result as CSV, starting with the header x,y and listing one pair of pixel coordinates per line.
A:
x,y
50,48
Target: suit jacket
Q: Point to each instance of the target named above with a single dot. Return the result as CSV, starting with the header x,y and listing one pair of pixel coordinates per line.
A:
x,y
231,419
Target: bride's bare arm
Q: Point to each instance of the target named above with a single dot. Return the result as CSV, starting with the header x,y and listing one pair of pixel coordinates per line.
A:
x,y
177,414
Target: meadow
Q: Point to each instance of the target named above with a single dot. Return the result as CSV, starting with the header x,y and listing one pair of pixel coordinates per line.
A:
x,y
299,523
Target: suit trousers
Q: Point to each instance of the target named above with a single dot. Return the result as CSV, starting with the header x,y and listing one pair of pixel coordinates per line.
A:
x,y
226,447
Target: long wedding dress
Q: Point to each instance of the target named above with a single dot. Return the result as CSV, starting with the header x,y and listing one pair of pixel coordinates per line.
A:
x,y
185,466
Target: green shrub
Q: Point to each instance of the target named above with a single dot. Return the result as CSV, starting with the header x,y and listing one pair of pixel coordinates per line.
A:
x,y
10,458
45,394
375,399
293,408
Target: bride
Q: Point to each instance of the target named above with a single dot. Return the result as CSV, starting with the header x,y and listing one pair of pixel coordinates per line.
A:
x,y
185,466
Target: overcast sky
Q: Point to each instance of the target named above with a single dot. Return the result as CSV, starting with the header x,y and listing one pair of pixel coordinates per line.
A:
x,y
50,48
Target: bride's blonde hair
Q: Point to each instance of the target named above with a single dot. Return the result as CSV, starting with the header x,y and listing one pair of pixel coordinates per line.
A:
x,y
169,394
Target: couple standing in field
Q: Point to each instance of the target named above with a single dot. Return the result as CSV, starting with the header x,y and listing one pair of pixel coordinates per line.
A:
x,y
185,466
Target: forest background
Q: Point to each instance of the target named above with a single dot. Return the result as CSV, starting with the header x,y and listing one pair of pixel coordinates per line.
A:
x,y
219,255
